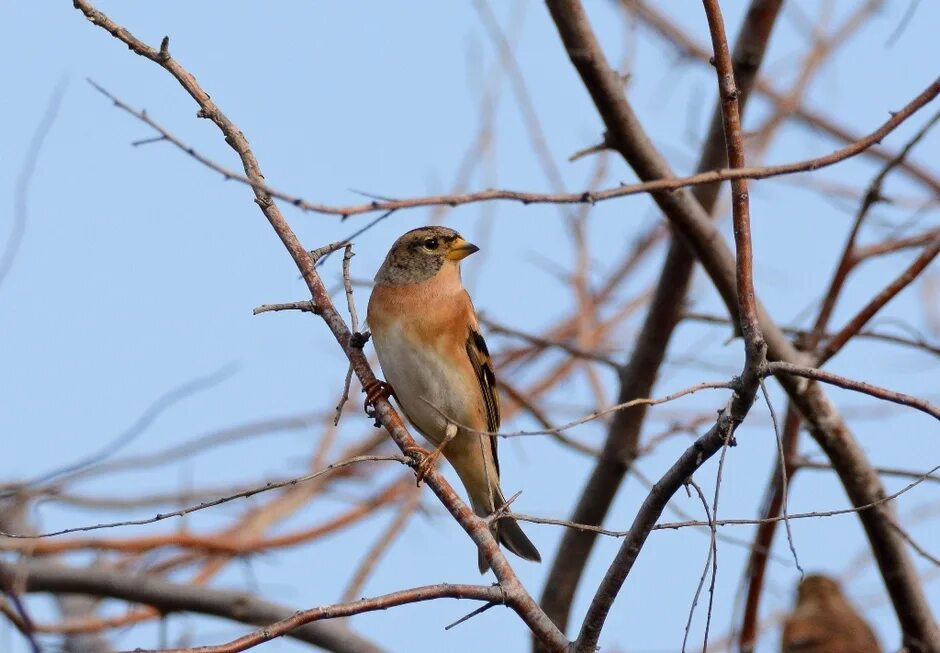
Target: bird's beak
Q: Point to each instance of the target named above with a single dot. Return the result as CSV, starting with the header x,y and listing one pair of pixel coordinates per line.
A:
x,y
461,249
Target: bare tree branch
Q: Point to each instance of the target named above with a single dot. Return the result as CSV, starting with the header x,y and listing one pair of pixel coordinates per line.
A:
x,y
477,528
40,576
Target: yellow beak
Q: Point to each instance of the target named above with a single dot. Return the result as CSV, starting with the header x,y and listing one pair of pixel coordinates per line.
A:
x,y
461,249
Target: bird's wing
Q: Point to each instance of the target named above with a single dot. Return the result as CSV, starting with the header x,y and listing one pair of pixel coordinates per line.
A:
x,y
479,357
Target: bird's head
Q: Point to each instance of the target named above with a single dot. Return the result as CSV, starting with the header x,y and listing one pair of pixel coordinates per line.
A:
x,y
817,586
421,253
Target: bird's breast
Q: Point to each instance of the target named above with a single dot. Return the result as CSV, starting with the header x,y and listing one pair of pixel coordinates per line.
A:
x,y
428,384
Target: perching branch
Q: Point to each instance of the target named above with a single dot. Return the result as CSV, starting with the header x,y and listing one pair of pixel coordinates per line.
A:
x,y
516,596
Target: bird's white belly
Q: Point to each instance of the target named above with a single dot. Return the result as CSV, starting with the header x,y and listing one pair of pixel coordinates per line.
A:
x,y
422,380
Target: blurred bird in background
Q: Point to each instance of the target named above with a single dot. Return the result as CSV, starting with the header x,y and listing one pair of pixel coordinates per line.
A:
x,y
823,621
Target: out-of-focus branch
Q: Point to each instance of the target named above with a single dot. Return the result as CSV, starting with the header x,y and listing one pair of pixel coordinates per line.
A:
x,y
708,175
638,376
802,334
267,487
382,543
140,425
849,258
41,576
755,348
24,179
671,32
216,543
773,504
492,594
780,367
825,424
854,325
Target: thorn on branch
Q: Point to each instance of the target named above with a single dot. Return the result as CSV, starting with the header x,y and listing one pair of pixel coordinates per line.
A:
x,y
483,608
148,141
165,49
502,511
593,149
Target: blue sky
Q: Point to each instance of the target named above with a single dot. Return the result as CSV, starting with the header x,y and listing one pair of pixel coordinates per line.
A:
x,y
139,269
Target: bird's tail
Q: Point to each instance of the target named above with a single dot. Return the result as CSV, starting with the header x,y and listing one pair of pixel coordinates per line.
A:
x,y
508,532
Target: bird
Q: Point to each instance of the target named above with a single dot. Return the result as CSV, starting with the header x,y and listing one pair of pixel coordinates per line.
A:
x,y
436,364
823,621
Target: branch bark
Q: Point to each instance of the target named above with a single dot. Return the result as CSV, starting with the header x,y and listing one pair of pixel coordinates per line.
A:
x,y
688,217
665,313
38,577
516,595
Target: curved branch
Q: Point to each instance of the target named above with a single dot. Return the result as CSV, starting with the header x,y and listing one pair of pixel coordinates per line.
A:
x,y
516,595
168,597
827,427
708,176
492,594
665,312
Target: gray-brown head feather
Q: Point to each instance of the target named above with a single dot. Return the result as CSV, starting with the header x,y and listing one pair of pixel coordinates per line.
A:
x,y
416,256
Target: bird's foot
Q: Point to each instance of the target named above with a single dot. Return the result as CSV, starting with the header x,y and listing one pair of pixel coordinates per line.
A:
x,y
375,390
430,460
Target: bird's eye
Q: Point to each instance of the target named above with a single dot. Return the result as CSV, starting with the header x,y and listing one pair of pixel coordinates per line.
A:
x,y
431,243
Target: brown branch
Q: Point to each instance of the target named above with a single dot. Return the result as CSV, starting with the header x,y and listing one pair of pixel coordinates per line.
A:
x,y
489,593
896,245
673,34
547,343
802,334
645,520
217,543
267,487
687,216
515,594
780,367
306,306
371,559
638,376
849,258
854,325
708,176
42,576
754,346
775,498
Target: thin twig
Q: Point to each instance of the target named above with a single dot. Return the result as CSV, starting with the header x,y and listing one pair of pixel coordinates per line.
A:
x,y
584,197
267,487
488,593
708,559
784,481
779,367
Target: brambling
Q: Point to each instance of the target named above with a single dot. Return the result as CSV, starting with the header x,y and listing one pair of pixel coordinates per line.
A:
x,y
824,621
428,341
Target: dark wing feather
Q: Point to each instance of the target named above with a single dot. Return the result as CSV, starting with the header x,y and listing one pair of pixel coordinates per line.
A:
x,y
480,360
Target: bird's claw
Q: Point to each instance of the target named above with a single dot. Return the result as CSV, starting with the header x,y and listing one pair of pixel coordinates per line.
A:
x,y
419,455
430,460
375,390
